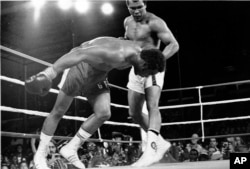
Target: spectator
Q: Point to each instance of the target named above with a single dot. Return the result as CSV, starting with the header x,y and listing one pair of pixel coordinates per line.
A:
x,y
52,153
117,159
194,143
231,144
20,155
239,141
23,165
13,166
230,139
5,160
213,151
14,162
174,151
131,154
54,160
193,155
107,151
227,148
117,136
181,149
240,145
83,155
4,166
117,148
185,154
95,157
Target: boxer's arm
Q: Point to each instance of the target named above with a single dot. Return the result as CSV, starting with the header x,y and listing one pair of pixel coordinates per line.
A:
x,y
93,54
166,36
125,23
42,82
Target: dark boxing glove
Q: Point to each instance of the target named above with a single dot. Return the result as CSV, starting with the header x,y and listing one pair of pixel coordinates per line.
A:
x,y
41,83
38,84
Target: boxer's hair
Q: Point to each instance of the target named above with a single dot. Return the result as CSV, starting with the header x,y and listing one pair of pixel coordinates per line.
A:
x,y
144,1
154,59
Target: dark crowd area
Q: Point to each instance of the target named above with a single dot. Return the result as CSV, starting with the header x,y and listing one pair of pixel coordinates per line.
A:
x,y
18,154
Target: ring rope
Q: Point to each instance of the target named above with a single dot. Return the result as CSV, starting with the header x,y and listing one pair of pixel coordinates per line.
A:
x,y
123,106
24,135
205,103
44,114
41,61
208,137
207,86
197,104
25,56
208,120
16,81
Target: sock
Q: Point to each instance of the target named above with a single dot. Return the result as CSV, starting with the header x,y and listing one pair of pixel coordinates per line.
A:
x,y
78,139
154,131
44,142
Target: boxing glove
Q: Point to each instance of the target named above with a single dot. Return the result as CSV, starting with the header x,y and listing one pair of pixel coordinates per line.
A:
x,y
38,84
41,83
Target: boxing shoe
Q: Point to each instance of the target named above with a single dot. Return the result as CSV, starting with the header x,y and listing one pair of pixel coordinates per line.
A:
x,y
40,161
71,156
148,157
41,83
162,148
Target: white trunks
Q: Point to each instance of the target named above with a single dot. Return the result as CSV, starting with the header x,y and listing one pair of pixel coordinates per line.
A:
x,y
139,84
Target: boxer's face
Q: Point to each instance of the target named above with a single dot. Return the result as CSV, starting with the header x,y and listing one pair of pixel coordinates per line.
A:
x,y
137,9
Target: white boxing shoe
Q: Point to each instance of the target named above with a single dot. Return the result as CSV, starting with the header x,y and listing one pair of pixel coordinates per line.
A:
x,y
162,148
148,157
40,161
72,157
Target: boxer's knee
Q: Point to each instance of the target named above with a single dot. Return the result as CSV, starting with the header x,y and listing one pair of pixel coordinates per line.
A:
x,y
103,114
58,112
